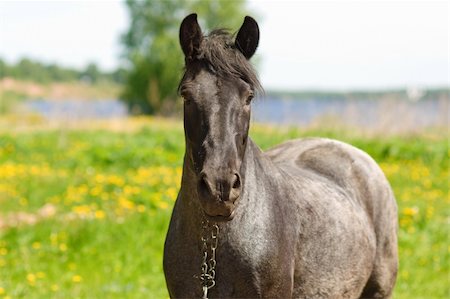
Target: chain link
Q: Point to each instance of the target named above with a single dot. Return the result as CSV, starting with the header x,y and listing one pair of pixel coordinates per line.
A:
x,y
210,241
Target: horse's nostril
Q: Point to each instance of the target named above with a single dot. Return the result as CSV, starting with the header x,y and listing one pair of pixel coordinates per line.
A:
x,y
237,182
204,185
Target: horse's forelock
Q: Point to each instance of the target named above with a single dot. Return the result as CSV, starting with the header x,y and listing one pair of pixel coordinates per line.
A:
x,y
219,52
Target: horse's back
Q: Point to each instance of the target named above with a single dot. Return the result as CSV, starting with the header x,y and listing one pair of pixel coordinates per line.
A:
x,y
355,173
341,164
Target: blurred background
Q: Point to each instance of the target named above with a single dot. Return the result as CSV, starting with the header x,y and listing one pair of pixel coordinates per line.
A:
x,y
351,63
91,141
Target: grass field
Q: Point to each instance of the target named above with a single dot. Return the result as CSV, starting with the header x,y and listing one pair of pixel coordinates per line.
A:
x,y
84,212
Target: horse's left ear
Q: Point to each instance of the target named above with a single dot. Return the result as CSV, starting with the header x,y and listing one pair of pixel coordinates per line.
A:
x,y
248,37
190,36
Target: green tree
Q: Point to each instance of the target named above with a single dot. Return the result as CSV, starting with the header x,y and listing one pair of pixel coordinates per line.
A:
x,y
30,70
151,46
91,73
4,69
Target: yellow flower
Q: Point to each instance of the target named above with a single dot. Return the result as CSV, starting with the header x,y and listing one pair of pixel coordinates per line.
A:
x,y
99,214
36,245
82,210
40,274
63,247
163,205
31,278
96,191
77,278
411,211
172,193
54,287
3,251
125,203
2,291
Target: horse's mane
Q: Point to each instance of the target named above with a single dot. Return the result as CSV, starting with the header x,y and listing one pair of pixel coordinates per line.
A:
x,y
222,57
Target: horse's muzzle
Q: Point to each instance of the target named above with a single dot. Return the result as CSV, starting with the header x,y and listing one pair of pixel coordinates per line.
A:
x,y
218,194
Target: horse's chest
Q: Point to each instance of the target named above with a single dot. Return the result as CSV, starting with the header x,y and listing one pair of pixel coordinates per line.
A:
x,y
252,265
247,265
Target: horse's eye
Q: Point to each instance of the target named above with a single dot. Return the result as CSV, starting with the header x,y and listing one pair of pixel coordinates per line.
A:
x,y
249,99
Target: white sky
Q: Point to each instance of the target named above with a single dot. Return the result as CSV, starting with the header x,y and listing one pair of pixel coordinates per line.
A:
x,y
304,44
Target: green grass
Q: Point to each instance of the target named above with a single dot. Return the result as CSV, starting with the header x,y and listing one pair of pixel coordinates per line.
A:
x,y
107,198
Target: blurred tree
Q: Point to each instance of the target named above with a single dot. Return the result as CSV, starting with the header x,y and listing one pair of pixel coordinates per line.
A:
x,y
3,69
58,74
30,70
91,73
152,51
118,75
27,69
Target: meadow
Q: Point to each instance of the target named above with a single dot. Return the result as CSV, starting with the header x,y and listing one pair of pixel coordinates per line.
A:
x,y
84,210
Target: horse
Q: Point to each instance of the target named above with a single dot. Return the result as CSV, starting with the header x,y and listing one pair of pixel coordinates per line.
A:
x,y
310,218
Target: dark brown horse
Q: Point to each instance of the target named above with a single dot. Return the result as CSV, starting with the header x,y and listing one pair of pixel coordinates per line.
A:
x,y
310,218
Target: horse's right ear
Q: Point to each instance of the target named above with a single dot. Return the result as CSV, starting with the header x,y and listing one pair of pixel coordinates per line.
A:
x,y
247,38
190,36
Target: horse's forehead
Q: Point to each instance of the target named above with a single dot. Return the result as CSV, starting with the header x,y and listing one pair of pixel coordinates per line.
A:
x,y
205,82
208,84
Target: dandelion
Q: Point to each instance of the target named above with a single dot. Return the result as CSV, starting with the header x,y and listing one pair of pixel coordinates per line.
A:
x,y
2,291
63,247
82,210
40,274
172,193
31,278
99,214
141,208
99,178
125,203
54,287
129,190
77,278
96,191
3,251
36,245
163,205
411,211
115,180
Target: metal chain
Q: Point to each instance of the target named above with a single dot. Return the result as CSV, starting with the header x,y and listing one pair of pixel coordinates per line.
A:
x,y
208,267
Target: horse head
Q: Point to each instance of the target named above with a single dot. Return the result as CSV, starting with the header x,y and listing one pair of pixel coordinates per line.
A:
x,y
218,86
